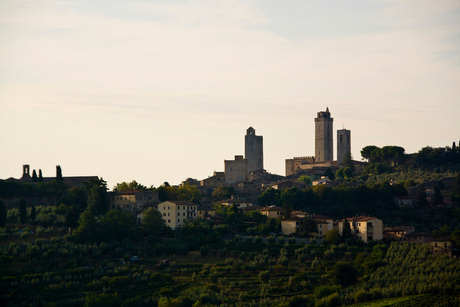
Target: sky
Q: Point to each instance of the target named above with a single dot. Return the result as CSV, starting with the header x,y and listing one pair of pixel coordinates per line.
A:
x,y
157,91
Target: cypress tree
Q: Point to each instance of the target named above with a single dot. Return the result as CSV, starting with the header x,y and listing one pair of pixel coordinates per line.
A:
x,y
346,230
34,176
3,214
22,211
40,176
33,214
58,172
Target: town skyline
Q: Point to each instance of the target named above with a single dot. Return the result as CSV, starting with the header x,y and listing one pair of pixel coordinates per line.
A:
x,y
165,91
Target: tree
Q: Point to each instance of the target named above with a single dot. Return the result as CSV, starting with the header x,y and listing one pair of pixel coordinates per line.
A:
x,y
58,172
438,199
329,173
33,214
117,225
346,230
307,227
344,274
40,175
348,163
133,185
366,151
305,179
222,193
152,222
333,236
71,217
97,196
22,211
87,229
34,176
347,173
3,214
269,197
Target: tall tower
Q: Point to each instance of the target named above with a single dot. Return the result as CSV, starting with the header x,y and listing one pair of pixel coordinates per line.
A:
x,y
323,137
343,144
253,150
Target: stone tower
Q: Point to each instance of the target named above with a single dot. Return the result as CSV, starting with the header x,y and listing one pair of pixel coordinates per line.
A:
x,y
253,150
323,137
343,144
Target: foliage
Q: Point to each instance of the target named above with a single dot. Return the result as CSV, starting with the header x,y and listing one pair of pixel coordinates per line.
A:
x,y
97,196
3,214
344,274
22,211
152,222
124,186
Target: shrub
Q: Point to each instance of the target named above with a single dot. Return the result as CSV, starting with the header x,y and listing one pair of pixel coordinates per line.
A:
x,y
264,276
363,296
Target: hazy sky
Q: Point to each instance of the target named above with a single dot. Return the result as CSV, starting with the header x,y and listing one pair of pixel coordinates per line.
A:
x,y
159,91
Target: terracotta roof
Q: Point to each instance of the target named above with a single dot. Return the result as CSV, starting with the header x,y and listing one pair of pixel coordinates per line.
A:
x,y
272,208
423,233
358,219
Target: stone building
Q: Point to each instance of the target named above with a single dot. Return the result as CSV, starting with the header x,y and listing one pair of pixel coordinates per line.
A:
x,y
133,201
343,144
253,150
324,137
236,170
73,181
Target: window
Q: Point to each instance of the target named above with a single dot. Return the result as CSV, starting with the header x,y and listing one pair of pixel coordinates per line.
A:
x,y
168,213
178,214
178,220
169,221
184,213
164,214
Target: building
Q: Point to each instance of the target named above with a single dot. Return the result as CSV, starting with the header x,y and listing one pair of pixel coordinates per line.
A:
x,y
205,212
253,150
343,144
324,180
238,203
365,228
272,211
397,233
74,181
133,201
290,225
216,180
418,237
324,137
236,171
441,246
175,213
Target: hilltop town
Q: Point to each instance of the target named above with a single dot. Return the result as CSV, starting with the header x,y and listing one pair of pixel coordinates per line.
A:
x,y
323,215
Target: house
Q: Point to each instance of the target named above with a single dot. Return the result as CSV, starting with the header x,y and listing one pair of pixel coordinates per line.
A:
x,y
238,204
205,211
324,180
272,211
323,227
418,237
441,246
290,225
174,213
404,201
397,233
365,228
321,220
133,201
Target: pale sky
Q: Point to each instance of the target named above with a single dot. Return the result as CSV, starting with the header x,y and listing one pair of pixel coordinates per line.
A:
x,y
158,91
